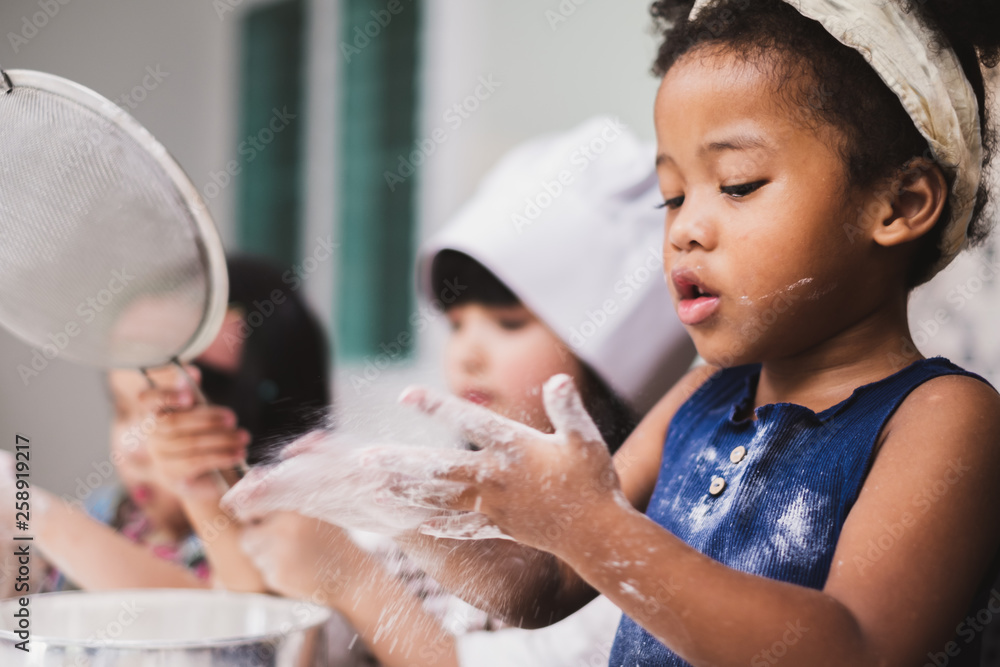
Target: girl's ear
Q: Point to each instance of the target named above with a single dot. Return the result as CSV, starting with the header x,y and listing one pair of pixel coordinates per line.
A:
x,y
915,202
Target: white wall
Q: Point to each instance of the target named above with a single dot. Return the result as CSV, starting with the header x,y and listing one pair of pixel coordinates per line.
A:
x,y
552,76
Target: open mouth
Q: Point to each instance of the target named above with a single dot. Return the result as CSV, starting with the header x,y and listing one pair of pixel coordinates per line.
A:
x,y
477,396
697,301
694,291
141,494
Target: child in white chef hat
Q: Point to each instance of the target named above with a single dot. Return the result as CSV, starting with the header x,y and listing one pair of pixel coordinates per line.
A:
x,y
554,266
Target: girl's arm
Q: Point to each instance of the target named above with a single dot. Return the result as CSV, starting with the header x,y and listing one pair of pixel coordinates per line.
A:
x,y
94,556
220,537
311,560
307,559
931,490
530,587
520,583
190,443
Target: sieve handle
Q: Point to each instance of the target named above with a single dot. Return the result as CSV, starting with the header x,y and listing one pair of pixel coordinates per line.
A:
x,y
5,85
200,399
199,395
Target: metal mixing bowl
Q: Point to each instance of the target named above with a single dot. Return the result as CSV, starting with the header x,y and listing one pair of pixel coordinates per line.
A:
x,y
163,628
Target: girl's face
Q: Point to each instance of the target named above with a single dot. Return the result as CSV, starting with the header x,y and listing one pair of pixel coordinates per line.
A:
x,y
762,250
130,429
500,356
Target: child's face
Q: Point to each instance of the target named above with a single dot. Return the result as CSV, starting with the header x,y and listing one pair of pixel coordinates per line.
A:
x,y
500,357
759,253
130,430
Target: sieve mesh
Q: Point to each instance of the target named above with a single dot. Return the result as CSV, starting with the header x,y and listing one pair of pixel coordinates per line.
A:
x,y
101,253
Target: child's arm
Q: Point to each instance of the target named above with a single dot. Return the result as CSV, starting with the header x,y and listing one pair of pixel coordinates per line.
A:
x,y
315,561
889,610
8,508
94,556
530,587
91,554
307,559
525,585
190,443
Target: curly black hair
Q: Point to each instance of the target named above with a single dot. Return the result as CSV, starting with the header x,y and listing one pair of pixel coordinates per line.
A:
x,y
840,88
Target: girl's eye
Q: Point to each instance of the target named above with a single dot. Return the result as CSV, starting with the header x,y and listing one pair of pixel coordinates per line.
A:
x,y
512,323
672,204
742,189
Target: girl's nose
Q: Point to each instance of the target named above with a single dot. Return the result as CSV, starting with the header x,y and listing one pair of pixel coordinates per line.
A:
x,y
691,226
471,355
473,360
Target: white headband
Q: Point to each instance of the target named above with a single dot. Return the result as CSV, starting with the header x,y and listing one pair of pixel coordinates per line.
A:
x,y
929,82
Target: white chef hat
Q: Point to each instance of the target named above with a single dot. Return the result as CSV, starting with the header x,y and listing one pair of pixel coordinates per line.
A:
x,y
568,222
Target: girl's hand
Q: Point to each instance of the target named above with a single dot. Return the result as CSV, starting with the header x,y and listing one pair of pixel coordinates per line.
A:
x,y
190,442
305,558
322,476
531,486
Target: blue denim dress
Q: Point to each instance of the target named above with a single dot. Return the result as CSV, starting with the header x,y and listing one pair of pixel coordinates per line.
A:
x,y
770,495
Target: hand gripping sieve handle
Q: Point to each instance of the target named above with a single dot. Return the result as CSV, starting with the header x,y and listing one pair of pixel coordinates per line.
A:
x,y
200,399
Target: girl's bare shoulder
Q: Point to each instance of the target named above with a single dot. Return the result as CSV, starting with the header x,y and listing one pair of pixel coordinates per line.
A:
x,y
961,407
